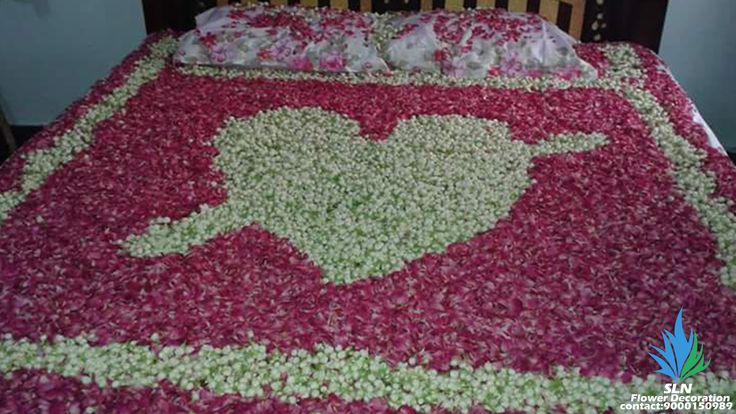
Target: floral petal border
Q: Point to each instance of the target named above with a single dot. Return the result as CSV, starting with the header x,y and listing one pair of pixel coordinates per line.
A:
x,y
41,163
345,372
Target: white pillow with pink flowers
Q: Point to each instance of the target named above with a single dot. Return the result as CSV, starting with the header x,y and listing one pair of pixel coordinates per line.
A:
x,y
283,38
481,43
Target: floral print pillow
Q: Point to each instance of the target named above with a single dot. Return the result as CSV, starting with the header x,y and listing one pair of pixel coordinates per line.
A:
x,y
283,38
481,43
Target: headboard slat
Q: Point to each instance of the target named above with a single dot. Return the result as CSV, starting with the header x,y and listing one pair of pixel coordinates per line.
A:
x,y
564,16
486,4
549,9
518,6
455,5
578,15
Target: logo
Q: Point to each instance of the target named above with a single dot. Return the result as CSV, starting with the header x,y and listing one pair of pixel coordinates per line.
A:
x,y
681,358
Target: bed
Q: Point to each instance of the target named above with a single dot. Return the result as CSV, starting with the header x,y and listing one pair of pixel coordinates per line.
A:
x,y
207,239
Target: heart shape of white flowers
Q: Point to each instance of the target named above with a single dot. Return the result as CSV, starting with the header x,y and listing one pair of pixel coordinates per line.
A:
x,y
360,208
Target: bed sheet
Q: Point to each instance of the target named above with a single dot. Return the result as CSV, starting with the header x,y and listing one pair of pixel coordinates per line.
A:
x,y
214,240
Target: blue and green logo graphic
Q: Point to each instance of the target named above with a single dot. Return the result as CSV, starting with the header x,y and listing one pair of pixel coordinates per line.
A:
x,y
681,358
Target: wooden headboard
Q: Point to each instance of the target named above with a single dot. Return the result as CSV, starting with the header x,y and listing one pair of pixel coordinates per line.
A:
x,y
639,21
567,14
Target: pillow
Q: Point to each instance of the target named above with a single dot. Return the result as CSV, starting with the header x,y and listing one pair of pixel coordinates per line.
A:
x,y
284,38
481,43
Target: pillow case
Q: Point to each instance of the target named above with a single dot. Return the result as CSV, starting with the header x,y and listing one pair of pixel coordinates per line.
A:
x,y
481,43
293,38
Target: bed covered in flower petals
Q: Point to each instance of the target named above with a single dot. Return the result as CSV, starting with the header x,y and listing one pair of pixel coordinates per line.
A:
x,y
204,239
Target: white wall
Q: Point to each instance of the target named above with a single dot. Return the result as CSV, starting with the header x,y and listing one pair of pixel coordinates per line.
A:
x,y
699,45
52,51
